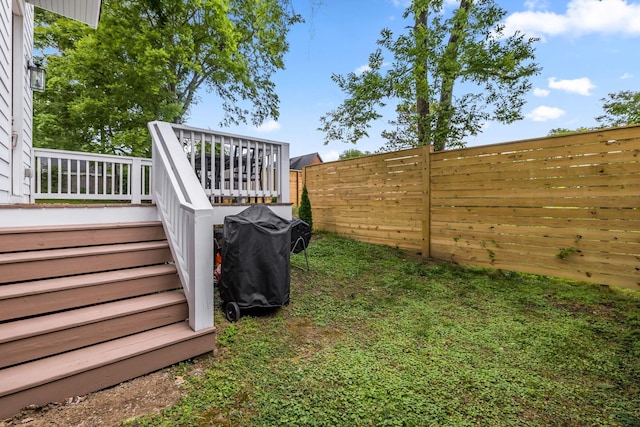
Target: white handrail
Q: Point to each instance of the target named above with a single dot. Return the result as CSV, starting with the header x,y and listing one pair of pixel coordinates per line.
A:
x,y
71,175
235,166
187,216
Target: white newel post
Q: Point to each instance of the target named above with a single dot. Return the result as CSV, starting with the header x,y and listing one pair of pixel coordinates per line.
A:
x,y
201,271
136,181
284,174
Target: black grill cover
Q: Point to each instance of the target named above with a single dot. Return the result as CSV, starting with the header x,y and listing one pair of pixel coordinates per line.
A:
x,y
255,259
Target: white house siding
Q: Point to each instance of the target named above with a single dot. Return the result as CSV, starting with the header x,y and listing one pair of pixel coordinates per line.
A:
x,y
27,108
5,98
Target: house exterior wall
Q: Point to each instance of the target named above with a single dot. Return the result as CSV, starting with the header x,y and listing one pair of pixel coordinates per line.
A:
x,y
5,98
22,160
16,44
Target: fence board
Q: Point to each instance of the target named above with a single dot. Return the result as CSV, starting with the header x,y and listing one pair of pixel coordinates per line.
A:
x,y
513,215
609,278
548,242
586,154
488,182
522,201
576,262
584,192
536,170
547,143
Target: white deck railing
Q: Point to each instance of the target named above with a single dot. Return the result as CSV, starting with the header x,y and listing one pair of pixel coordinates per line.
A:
x,y
230,167
237,167
187,216
70,175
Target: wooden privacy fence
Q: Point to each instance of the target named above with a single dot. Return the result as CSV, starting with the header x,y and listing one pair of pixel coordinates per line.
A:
x,y
565,206
295,187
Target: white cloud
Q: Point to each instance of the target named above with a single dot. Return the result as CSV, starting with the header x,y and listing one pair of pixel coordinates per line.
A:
x,y
401,3
613,17
329,156
536,4
580,86
362,69
544,113
626,76
269,126
540,92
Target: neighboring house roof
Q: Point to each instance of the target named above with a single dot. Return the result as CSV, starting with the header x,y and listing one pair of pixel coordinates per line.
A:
x,y
87,11
297,163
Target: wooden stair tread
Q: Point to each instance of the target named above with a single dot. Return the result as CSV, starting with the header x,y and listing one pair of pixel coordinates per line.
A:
x,y
49,254
43,371
82,280
50,237
41,325
78,227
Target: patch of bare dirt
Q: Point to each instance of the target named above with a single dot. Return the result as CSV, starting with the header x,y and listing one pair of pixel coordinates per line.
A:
x,y
141,396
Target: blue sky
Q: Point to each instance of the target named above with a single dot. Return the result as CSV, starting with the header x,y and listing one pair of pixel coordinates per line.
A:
x,y
587,49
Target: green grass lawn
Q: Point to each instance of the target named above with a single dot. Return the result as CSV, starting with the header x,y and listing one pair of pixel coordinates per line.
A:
x,y
375,336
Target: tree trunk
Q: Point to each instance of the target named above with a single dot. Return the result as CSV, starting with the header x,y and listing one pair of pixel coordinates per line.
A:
x,y
449,74
422,102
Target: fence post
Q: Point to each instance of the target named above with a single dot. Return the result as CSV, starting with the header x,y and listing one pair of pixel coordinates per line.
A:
x,y
136,181
426,200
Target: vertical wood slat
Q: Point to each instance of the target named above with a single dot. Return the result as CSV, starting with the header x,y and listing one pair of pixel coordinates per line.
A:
x,y
96,165
59,186
276,176
113,179
39,179
78,176
121,178
105,174
87,179
68,161
295,186
49,174
129,181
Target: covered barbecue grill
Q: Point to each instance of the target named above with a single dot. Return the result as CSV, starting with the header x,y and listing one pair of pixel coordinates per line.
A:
x,y
255,261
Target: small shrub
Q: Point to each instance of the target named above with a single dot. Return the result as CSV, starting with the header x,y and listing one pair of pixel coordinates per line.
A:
x,y
305,208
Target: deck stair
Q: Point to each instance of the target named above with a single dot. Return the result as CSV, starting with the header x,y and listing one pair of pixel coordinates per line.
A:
x,y
86,307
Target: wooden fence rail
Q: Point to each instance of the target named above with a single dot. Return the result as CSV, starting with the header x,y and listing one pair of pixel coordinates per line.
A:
x,y
566,206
